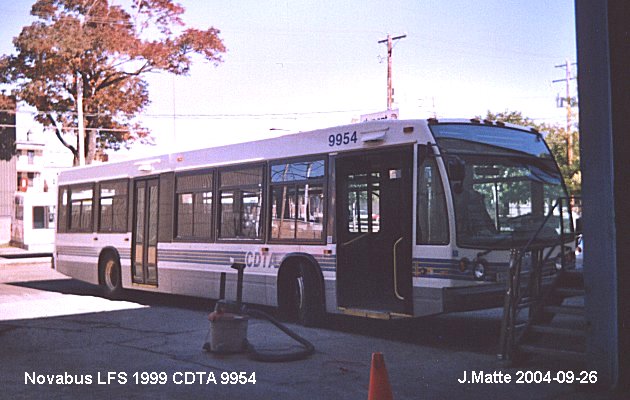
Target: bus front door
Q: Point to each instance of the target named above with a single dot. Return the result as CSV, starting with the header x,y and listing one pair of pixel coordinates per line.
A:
x,y
374,220
144,241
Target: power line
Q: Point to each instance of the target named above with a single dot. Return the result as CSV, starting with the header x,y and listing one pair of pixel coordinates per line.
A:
x,y
73,128
196,116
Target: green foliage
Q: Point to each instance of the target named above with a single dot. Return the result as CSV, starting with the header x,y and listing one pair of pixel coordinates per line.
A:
x,y
556,138
511,117
106,49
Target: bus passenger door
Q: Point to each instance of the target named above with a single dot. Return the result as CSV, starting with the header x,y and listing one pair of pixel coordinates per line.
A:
x,y
374,219
144,241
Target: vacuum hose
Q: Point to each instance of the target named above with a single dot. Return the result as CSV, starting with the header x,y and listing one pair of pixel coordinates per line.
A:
x,y
239,308
279,357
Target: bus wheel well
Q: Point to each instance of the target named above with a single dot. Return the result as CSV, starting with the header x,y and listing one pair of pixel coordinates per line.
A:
x,y
301,290
109,272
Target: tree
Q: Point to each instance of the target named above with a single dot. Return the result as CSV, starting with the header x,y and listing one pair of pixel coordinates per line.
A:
x,y
7,128
103,51
556,138
511,117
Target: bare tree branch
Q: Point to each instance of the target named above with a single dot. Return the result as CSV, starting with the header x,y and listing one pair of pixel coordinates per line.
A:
x,y
58,133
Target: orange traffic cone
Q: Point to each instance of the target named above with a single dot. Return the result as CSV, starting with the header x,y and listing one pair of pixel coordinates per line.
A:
x,y
379,382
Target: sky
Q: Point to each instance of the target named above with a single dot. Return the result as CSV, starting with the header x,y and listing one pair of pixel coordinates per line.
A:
x,y
300,65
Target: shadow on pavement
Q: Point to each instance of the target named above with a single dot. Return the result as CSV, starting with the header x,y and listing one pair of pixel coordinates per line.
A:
x,y
75,287
474,331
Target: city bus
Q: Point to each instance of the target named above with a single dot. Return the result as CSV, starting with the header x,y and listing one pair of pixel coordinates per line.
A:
x,y
380,219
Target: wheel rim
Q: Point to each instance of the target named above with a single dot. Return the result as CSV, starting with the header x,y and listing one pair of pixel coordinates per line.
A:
x,y
111,275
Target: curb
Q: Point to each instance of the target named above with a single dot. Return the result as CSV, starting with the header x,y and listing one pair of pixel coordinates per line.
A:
x,y
15,262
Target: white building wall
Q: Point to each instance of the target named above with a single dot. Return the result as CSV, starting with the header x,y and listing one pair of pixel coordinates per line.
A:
x,y
7,192
33,226
48,158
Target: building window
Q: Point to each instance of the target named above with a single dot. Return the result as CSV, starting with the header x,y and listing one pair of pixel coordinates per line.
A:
x,y
113,206
43,217
194,205
297,200
241,195
19,208
31,157
23,182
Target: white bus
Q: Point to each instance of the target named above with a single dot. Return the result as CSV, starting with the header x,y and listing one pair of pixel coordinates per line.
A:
x,y
380,219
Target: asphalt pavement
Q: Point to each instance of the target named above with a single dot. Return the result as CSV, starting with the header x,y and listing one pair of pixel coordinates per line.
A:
x,y
60,339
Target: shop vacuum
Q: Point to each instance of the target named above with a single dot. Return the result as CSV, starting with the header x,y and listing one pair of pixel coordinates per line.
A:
x,y
229,322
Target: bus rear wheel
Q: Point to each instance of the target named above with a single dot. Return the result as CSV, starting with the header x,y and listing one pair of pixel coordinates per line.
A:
x,y
111,276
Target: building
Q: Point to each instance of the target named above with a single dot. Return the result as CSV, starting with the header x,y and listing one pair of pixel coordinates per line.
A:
x,y
30,160
8,185
33,223
30,165
7,193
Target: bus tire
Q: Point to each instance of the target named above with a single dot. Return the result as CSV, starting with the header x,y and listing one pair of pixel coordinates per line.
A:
x,y
110,275
302,297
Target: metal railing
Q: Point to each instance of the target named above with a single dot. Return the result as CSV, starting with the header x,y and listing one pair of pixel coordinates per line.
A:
x,y
529,295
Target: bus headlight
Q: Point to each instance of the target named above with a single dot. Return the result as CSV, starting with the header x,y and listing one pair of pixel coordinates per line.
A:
x,y
479,269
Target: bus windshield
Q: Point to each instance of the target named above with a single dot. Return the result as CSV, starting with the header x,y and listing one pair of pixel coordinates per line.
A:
x,y
504,183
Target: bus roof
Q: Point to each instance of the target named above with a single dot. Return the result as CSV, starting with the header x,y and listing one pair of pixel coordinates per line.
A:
x,y
345,138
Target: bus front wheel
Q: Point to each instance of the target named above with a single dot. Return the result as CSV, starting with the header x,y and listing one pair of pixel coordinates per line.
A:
x,y
111,277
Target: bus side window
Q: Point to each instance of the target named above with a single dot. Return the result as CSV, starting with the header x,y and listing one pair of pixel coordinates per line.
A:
x,y
81,204
297,200
62,209
240,194
194,205
112,207
432,218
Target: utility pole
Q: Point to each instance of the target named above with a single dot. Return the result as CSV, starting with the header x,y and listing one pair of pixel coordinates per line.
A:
x,y
569,103
81,130
390,89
